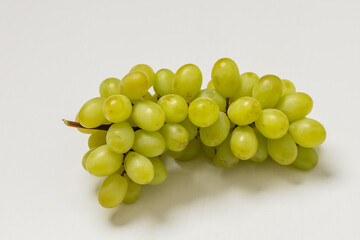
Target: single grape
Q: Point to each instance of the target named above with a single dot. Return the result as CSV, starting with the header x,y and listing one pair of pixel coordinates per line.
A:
x,y
117,108
160,171
282,150
210,85
244,110
268,90
288,87
84,159
145,69
163,82
307,132
223,157
190,127
133,191
175,135
208,151
103,161
120,137
216,133
139,168
262,152
191,151
187,81
148,115
97,139
203,112
112,191
306,159
149,144
84,130
134,85
243,142
109,86
226,77
175,108
248,81
272,123
91,114
214,95
295,105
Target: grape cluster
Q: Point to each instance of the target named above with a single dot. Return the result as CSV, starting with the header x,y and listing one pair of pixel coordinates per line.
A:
x,y
237,117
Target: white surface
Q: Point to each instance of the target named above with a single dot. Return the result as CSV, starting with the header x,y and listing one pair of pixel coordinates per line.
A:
x,y
53,56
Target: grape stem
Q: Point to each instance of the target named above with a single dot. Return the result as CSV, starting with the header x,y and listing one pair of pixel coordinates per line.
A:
x,y
78,125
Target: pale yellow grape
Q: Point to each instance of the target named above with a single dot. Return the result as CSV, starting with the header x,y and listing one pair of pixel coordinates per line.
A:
x,y
133,191
120,137
145,69
176,136
84,130
117,108
306,159
243,142
97,139
295,105
84,159
216,133
210,85
191,151
187,81
272,123
91,114
139,168
103,161
148,115
208,151
203,112
149,144
112,191
248,81
262,152
109,86
226,77
268,90
190,127
282,150
163,82
160,171
175,108
223,157
307,132
134,85
244,110
288,87
214,95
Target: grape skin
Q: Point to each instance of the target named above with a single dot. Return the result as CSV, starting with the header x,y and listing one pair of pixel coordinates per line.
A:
x,y
120,137
148,115
288,87
175,135
117,108
109,86
268,90
133,192
139,168
134,85
272,123
187,81
214,95
91,114
243,142
244,111
103,161
163,82
97,139
216,133
149,144
147,70
295,105
306,159
307,132
160,174
282,150
203,112
175,108
112,191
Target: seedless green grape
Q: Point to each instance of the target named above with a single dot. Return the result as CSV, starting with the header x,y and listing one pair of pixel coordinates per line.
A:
x,y
145,69
175,135
307,132
268,90
117,108
134,85
243,142
244,110
272,123
226,77
208,151
175,108
190,127
109,86
262,152
91,114
84,159
248,81
295,105
187,81
203,112
97,139
224,157
288,87
282,150
306,159
216,133
149,144
84,130
191,151
139,168
148,115
112,191
163,82
133,191
103,161
120,137
160,171
214,95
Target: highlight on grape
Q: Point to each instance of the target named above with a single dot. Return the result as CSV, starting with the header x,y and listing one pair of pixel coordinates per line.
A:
x,y
238,117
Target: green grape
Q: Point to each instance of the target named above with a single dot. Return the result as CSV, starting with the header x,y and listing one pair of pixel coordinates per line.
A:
x,y
187,81
97,139
147,70
268,90
191,151
262,152
243,142
91,114
163,82
209,151
224,158
214,95
244,110
160,171
295,105
149,144
103,161
226,77
133,191
84,130
248,81
148,115
175,108
109,86
147,96
306,159
190,127
120,137
134,85
117,108
139,168
84,159
272,123
112,190
175,135
203,112
210,85
282,150
288,87
307,132
216,133
175,155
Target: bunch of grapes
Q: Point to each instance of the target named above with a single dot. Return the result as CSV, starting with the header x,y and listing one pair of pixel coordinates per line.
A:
x,y
237,117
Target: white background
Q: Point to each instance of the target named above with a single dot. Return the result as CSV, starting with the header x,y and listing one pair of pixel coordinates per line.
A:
x,y
53,56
